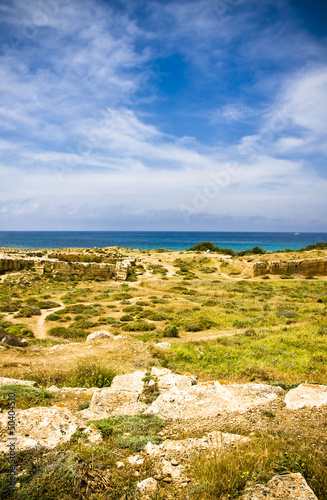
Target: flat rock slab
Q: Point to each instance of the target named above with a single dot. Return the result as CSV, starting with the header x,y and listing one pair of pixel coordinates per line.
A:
x,y
71,391
130,382
168,380
306,395
13,381
211,399
109,402
102,334
288,486
39,427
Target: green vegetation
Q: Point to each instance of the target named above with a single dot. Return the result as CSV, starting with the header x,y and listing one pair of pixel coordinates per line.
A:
x,y
88,373
291,355
207,245
139,326
228,473
25,397
140,428
16,329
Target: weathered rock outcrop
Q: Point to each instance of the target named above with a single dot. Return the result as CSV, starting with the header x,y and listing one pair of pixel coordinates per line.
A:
x,y
212,398
306,395
290,486
118,268
102,334
39,427
13,381
7,339
305,267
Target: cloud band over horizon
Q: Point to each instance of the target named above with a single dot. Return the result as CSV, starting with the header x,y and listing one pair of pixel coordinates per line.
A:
x,y
171,115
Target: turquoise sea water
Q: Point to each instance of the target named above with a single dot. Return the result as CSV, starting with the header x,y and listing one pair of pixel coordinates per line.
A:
x,y
171,240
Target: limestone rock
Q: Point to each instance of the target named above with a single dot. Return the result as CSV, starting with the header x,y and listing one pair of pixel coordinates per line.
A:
x,y
71,391
305,267
13,381
102,334
135,460
290,486
168,380
7,339
211,398
129,382
172,449
306,395
170,455
163,345
93,435
40,427
108,402
147,486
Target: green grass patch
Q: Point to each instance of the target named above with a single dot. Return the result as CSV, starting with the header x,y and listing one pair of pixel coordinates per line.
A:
x,y
88,373
25,397
292,356
141,430
228,473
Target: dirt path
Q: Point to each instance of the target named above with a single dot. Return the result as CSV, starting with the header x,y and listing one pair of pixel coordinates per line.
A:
x,y
40,331
227,276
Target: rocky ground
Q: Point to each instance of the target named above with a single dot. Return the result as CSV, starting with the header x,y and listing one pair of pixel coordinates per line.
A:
x,y
193,380
198,419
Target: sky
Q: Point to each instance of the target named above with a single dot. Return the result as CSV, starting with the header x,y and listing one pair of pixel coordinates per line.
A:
x,y
178,115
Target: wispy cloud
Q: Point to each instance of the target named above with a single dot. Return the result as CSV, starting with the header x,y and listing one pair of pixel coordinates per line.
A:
x,y
103,126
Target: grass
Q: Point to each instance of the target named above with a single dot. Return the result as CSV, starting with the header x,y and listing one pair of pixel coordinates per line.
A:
x,y
140,429
25,397
88,373
228,473
272,331
291,355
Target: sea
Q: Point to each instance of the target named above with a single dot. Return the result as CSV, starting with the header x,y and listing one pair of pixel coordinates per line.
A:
x,y
170,240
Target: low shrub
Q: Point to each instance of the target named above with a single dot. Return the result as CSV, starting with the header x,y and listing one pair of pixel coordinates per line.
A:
x,y
286,313
127,317
28,312
88,373
171,331
198,325
67,333
139,326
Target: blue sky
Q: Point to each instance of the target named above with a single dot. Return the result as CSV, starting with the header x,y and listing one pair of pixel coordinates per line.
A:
x,y
163,115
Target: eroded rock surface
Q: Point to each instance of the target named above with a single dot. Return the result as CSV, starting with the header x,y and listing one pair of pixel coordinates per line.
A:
x,y
39,427
129,382
288,486
171,455
11,340
109,402
13,381
305,267
212,398
102,334
168,380
306,395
